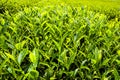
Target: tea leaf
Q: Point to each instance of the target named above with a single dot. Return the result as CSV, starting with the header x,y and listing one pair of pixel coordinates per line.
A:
x,y
11,57
22,55
20,45
116,74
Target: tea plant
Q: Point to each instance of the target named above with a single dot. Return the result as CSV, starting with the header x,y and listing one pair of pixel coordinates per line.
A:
x,y
59,42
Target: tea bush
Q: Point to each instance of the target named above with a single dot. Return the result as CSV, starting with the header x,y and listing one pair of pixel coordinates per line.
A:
x,y
59,42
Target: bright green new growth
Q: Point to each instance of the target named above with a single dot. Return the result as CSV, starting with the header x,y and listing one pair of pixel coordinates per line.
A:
x,y
59,42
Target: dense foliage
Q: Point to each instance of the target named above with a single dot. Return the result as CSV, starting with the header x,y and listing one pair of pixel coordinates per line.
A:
x,y
59,42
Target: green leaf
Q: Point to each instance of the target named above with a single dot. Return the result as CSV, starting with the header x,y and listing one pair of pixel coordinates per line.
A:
x,y
10,70
118,52
58,29
118,62
72,57
57,45
98,55
105,78
105,62
63,58
3,64
83,62
2,21
34,74
36,53
11,57
20,45
32,41
34,56
52,78
76,71
63,37
25,76
10,45
51,28
22,55
93,61
106,73
85,67
45,64
116,74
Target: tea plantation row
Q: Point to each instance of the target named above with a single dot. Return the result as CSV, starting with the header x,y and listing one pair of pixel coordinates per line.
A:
x,y
59,42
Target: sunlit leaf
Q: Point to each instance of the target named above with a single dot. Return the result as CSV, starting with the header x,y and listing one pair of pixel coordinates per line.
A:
x,y
105,62
20,45
32,57
22,55
118,52
11,56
